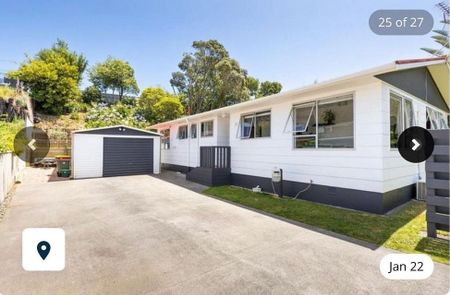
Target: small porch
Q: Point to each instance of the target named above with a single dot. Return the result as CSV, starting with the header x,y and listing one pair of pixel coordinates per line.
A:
x,y
215,166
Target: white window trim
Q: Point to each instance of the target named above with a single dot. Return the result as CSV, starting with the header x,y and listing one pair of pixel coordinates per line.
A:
x,y
212,134
254,115
187,132
190,130
321,101
402,98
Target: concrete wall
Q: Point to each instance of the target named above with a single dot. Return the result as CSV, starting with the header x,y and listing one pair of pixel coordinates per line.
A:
x,y
11,168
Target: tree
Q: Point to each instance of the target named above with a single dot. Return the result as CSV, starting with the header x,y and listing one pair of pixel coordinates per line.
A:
x,y
168,108
253,86
268,88
154,100
114,75
209,78
91,94
53,77
442,36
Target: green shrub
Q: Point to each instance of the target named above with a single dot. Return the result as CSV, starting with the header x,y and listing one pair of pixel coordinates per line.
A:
x,y
103,115
7,133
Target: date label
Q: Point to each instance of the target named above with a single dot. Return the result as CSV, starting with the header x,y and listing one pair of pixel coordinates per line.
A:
x,y
406,266
401,22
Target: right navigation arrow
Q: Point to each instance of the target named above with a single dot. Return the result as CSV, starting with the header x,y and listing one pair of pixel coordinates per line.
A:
x,y
416,144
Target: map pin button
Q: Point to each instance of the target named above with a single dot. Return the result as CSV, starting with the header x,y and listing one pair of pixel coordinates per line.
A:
x,y
43,249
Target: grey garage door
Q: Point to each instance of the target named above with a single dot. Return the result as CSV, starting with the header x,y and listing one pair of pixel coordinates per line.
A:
x,y
127,156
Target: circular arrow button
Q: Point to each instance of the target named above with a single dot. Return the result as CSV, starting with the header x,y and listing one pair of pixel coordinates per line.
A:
x,y
31,143
415,144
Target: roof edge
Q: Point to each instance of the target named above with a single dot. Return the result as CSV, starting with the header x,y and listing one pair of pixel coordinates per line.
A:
x,y
115,126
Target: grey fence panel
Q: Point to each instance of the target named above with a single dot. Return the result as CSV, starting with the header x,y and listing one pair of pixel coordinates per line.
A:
x,y
437,169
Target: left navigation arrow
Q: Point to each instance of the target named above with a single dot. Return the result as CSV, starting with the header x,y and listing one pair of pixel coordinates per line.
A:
x,y
31,144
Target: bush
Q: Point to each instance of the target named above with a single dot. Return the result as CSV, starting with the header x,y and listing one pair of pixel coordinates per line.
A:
x,y
91,95
103,115
7,133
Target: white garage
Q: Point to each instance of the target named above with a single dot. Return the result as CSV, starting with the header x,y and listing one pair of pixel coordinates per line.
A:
x,y
115,151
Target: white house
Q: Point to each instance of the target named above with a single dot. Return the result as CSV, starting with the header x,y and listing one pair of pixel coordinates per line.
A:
x,y
335,141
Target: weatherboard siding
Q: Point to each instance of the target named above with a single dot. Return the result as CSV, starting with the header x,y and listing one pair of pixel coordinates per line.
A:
x,y
186,152
397,172
357,168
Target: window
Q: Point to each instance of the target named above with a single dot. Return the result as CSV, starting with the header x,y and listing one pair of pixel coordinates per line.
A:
x,y
194,131
436,120
207,128
324,124
183,132
305,126
396,123
401,116
408,114
165,140
335,128
255,125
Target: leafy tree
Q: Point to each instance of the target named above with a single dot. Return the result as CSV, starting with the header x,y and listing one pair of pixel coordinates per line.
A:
x,y
168,108
91,94
114,75
253,86
53,77
442,36
155,104
268,88
209,78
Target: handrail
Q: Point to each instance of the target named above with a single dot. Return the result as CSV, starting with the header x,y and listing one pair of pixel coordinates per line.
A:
x,y
215,157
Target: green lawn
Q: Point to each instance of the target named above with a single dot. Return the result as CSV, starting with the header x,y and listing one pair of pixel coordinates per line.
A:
x,y
403,231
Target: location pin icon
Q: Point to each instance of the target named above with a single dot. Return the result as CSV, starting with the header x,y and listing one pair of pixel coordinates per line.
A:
x,y
43,249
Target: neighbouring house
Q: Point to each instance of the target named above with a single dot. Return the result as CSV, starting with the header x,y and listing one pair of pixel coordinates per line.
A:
x,y
335,140
113,98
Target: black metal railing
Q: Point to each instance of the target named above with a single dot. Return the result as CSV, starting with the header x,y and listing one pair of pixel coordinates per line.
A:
x,y
215,156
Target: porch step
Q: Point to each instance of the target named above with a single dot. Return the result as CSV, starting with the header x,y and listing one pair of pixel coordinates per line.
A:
x,y
210,176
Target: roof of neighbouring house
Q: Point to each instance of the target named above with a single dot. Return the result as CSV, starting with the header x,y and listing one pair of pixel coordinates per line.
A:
x,y
437,66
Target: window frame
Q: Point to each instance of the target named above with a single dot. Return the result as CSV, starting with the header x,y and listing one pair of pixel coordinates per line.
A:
x,y
191,128
315,104
165,140
402,98
179,133
253,117
202,129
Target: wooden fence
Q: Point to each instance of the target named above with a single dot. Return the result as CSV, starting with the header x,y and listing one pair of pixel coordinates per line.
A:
x,y
437,170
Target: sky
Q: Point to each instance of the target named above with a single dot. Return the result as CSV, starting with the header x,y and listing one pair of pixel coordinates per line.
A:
x,y
292,42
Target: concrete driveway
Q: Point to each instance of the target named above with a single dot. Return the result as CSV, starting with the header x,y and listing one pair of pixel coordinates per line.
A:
x,y
141,235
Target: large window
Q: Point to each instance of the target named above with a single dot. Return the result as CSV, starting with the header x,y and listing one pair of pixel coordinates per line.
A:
x,y
183,132
401,114
436,120
207,129
165,140
194,131
324,124
255,125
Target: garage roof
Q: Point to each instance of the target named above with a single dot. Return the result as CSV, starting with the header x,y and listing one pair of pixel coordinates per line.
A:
x,y
117,130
